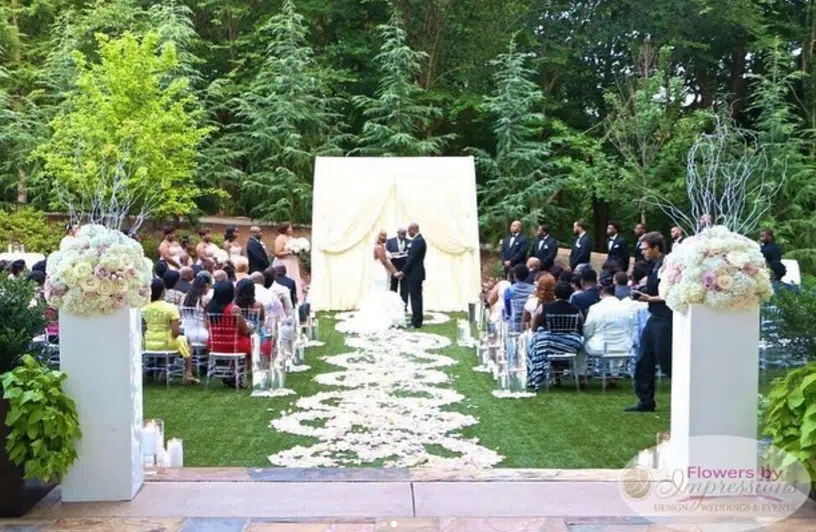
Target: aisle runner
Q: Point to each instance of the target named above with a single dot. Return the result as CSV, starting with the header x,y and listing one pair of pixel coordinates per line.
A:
x,y
387,408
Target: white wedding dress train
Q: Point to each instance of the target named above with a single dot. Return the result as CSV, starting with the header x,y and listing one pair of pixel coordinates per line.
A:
x,y
380,310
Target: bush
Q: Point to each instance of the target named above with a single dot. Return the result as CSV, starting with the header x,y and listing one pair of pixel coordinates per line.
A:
x,y
795,320
30,228
20,321
790,416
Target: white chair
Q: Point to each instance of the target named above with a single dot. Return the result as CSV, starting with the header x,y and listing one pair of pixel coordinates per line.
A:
x,y
167,363
193,323
227,361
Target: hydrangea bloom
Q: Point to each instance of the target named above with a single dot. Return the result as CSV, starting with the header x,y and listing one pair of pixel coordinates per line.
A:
x,y
98,272
299,245
718,268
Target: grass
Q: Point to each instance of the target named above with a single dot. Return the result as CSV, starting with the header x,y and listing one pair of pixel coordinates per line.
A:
x,y
222,427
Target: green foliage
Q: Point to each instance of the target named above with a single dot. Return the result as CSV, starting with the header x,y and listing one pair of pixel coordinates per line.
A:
x,y
31,228
790,416
20,323
43,421
397,122
795,320
289,118
127,113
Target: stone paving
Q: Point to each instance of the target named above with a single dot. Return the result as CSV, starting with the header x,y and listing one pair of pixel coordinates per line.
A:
x,y
366,500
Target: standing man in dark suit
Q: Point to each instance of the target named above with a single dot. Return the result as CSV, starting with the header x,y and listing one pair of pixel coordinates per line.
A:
x,y
640,230
617,246
398,248
256,252
769,248
582,245
286,282
545,247
414,273
514,247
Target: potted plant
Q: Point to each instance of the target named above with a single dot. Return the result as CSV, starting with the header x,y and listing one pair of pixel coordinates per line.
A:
x,y
38,424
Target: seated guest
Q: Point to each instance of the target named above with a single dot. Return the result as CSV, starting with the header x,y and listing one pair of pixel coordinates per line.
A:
x,y
608,271
253,311
284,294
162,331
40,266
171,295
193,313
241,268
287,282
187,275
555,271
495,300
608,330
534,265
621,284
220,276
768,246
558,330
273,308
38,278
575,281
17,269
640,274
544,294
160,269
229,269
590,292
516,297
229,332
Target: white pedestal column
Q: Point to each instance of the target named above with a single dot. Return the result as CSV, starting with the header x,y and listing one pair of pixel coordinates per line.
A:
x,y
715,375
102,357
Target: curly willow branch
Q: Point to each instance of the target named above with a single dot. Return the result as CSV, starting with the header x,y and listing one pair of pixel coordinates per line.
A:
x,y
727,180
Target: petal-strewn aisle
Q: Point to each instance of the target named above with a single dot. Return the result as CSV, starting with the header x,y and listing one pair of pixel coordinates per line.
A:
x,y
386,406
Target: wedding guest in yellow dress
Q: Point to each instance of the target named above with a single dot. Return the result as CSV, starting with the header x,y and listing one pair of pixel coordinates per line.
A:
x,y
162,331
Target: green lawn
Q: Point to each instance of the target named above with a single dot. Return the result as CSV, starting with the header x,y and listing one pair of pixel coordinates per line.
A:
x,y
559,429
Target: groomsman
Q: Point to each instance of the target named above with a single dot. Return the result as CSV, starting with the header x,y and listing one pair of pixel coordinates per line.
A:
x,y
678,235
582,245
617,247
398,248
545,248
768,246
514,247
640,230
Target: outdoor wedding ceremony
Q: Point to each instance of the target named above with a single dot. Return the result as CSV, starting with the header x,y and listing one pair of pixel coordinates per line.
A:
x,y
399,265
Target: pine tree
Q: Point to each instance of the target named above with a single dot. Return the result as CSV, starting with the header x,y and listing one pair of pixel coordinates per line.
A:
x,y
288,118
515,181
396,122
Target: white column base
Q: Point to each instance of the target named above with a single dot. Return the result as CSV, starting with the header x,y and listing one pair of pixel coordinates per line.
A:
x,y
102,357
715,374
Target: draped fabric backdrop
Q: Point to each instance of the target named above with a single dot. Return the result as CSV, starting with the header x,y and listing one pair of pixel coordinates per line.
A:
x,y
356,197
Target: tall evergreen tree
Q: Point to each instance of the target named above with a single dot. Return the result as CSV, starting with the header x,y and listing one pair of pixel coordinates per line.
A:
x,y
288,118
518,181
397,123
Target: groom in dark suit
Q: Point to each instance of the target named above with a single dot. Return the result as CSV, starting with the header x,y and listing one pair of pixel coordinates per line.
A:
x,y
414,273
398,248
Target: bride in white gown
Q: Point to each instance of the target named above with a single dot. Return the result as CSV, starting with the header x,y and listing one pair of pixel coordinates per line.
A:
x,y
381,308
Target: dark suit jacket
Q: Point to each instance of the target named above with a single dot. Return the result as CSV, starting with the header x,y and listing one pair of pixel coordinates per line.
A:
x,y
619,252
289,283
518,253
638,252
392,246
258,259
772,252
587,298
414,268
546,252
581,251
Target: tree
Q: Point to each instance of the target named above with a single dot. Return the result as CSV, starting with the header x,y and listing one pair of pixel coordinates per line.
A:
x,y
288,118
125,115
397,123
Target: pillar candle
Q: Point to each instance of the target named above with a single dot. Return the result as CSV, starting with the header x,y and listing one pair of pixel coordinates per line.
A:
x,y
175,452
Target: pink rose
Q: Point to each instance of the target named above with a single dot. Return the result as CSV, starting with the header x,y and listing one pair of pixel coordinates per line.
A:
x,y
709,280
118,300
101,272
750,269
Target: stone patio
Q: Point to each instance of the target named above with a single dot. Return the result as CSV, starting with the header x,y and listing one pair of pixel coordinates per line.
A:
x,y
370,500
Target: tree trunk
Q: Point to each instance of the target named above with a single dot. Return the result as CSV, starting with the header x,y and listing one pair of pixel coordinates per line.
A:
x,y
22,190
738,62
600,218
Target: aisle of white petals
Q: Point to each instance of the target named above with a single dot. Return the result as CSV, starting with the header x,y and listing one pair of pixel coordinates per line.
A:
x,y
386,407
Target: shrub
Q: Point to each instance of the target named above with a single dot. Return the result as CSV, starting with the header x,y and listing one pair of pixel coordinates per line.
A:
x,y
19,321
30,228
43,421
795,320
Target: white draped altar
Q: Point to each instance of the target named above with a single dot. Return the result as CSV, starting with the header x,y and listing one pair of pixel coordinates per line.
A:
x,y
356,197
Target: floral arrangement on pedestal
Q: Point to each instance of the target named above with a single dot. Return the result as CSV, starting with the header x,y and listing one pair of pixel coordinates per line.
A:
x,y
98,272
718,268
299,246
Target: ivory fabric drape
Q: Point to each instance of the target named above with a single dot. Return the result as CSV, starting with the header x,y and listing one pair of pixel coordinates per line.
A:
x,y
356,197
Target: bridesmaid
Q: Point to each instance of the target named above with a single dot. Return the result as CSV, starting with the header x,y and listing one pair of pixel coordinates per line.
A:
x,y
231,245
286,258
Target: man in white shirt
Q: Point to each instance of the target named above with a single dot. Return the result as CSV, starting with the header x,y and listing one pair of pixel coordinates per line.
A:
x,y
283,293
609,330
273,307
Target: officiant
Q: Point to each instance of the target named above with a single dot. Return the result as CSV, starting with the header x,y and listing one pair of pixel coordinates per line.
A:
x,y
398,248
